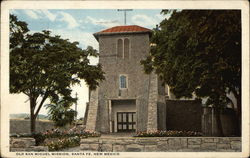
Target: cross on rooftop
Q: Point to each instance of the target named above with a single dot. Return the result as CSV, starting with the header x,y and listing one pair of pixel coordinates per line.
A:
x,y
125,13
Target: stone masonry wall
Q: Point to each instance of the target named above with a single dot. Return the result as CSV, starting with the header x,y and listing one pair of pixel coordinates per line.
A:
x,y
25,144
162,144
152,123
92,111
23,126
113,66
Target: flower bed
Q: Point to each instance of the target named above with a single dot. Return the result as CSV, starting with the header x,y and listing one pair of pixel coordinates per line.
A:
x,y
157,133
62,143
58,139
56,133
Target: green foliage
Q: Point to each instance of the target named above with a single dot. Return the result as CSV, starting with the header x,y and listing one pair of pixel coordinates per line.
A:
x,y
56,133
199,52
18,30
61,113
63,143
46,66
66,135
39,138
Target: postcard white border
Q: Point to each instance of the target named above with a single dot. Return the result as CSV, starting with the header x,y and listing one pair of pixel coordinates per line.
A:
x,y
243,5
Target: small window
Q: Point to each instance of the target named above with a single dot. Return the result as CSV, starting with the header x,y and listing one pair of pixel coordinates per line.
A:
x,y
120,48
123,81
126,48
123,46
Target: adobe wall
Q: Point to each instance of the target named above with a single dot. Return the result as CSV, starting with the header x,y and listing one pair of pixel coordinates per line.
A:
x,y
183,115
138,81
114,66
25,144
228,121
23,126
162,144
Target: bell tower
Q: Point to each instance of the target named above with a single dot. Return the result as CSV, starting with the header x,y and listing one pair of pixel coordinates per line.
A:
x,y
127,101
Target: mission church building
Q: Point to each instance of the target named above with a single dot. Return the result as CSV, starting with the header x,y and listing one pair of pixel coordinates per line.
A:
x,y
128,100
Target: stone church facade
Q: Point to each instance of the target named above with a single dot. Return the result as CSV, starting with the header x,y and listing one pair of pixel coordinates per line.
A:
x,y
128,100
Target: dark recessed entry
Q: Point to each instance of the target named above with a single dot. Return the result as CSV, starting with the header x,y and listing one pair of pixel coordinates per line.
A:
x,y
126,121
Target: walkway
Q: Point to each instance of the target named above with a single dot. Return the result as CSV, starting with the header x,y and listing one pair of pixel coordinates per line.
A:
x,y
110,135
117,135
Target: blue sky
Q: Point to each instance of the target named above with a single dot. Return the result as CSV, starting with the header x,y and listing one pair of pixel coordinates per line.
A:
x,y
79,25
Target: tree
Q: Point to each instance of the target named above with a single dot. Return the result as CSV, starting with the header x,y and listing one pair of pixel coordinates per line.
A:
x,y
199,52
61,113
44,67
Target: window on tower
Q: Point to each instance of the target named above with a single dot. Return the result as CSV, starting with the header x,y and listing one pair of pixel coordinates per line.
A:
x,y
126,48
123,48
120,48
123,81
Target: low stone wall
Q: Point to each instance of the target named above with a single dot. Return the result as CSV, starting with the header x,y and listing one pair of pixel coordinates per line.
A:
x,y
25,144
23,126
162,144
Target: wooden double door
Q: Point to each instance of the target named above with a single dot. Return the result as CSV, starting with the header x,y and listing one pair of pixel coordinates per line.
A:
x,y
126,121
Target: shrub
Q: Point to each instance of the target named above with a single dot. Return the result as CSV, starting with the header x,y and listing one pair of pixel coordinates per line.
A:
x,y
60,112
63,143
39,138
56,133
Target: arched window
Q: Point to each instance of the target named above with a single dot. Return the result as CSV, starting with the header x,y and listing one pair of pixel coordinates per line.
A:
x,y
120,48
123,81
126,48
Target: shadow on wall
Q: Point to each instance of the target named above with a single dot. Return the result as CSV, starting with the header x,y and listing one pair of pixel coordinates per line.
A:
x,y
189,115
184,115
228,121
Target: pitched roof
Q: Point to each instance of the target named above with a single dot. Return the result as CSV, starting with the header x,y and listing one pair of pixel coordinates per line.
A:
x,y
123,30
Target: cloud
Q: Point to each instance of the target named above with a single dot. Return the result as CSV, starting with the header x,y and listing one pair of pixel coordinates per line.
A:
x,y
70,20
162,16
40,14
148,21
144,20
13,11
102,22
49,15
32,14
84,38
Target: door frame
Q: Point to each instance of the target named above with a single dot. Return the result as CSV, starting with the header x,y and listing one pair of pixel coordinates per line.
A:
x,y
127,123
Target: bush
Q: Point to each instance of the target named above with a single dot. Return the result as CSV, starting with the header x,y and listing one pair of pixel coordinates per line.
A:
x,y
60,112
55,133
39,137
63,143
169,133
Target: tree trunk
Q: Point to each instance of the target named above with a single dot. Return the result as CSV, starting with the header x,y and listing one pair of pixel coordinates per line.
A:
x,y
218,122
32,115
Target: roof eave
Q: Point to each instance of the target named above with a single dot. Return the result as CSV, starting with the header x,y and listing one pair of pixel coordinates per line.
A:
x,y
96,35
